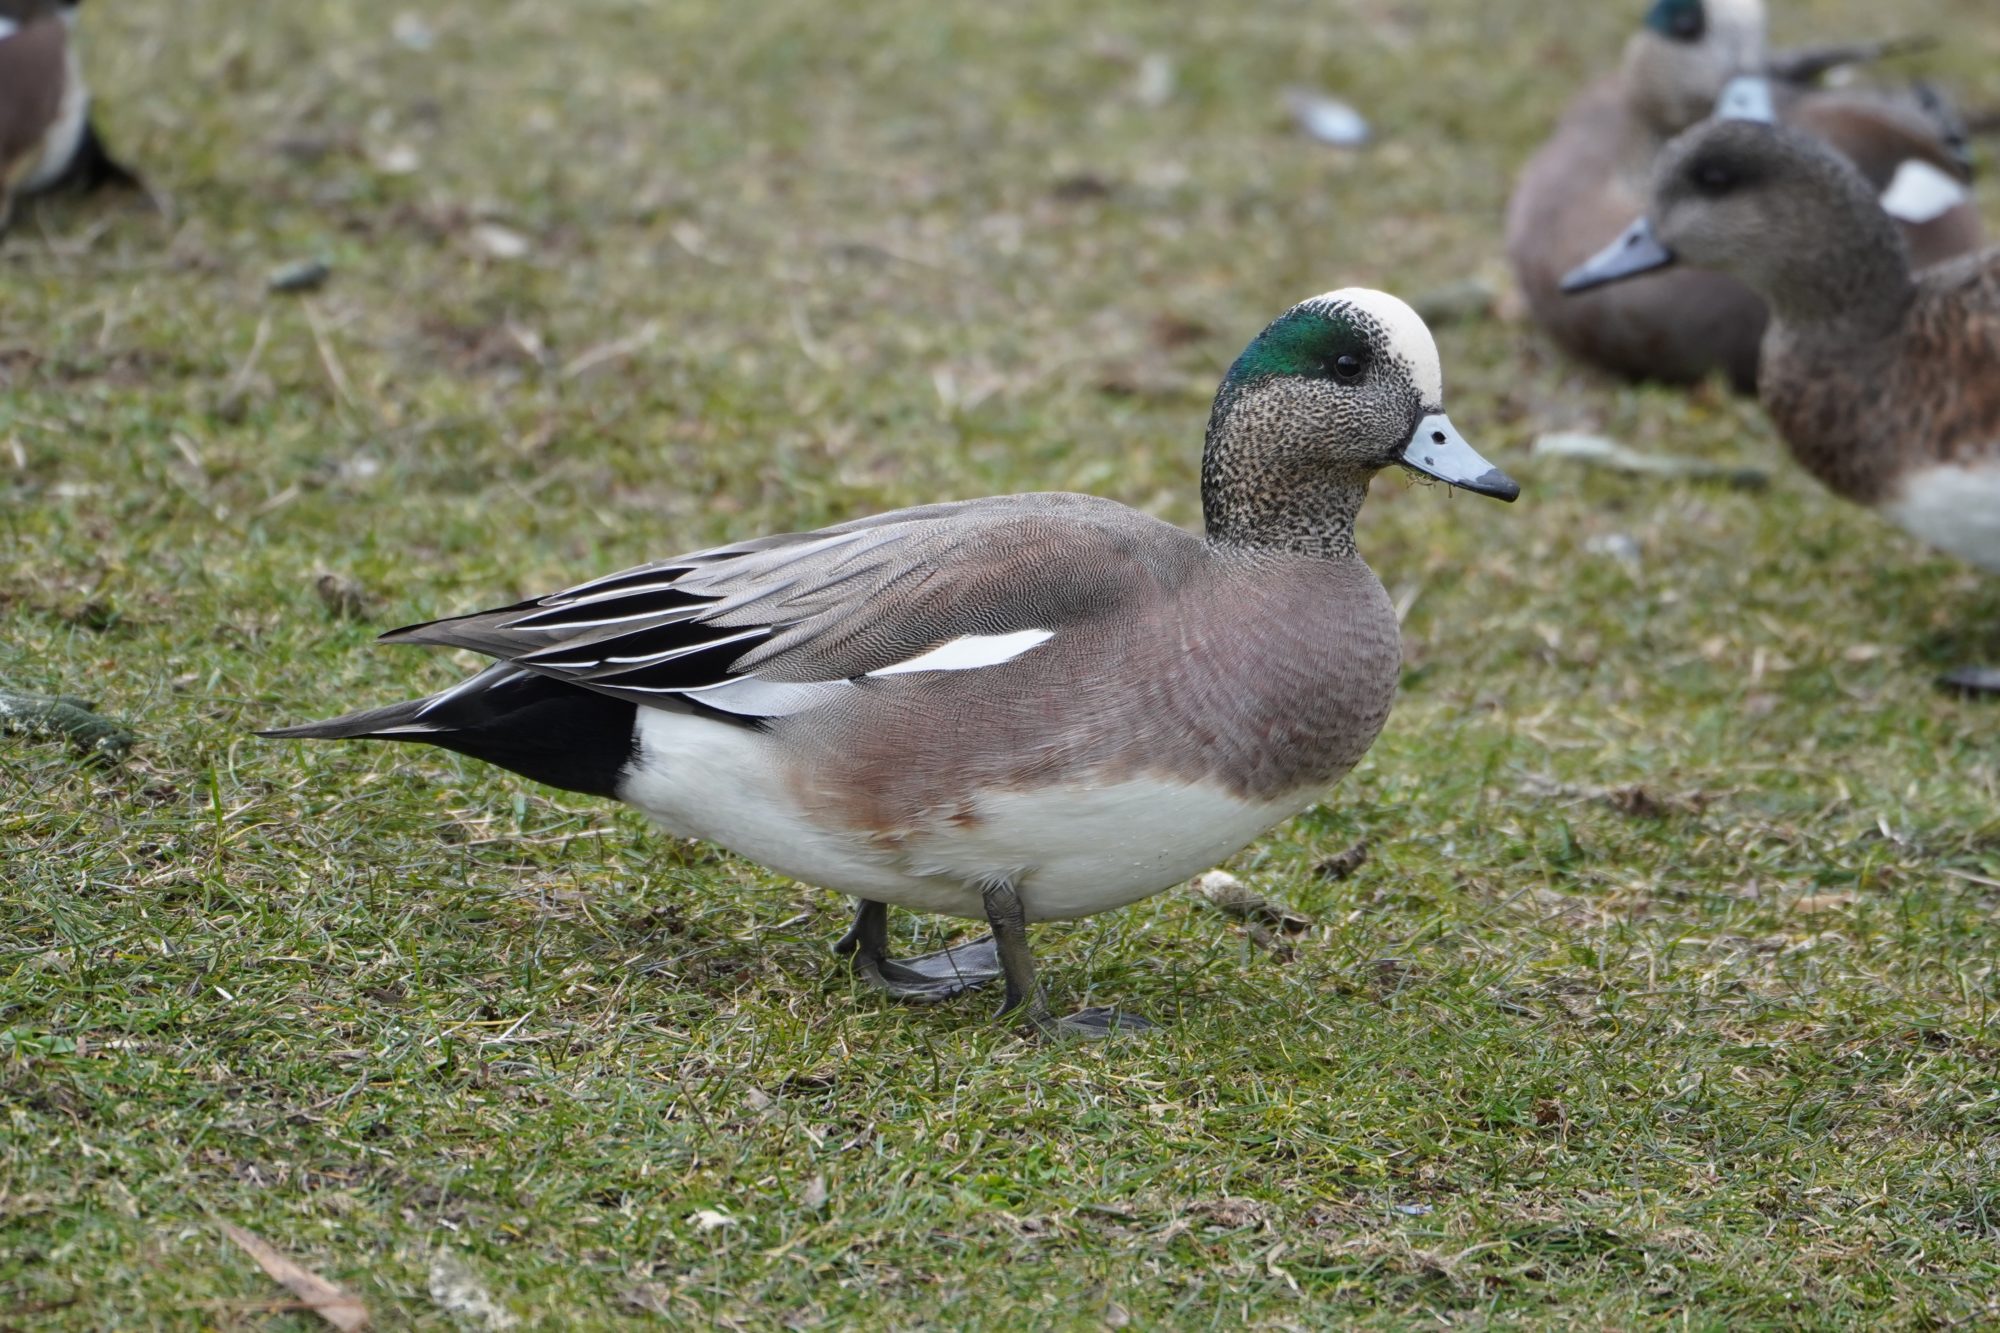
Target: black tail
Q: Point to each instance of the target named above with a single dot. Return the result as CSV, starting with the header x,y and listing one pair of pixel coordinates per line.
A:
x,y
554,733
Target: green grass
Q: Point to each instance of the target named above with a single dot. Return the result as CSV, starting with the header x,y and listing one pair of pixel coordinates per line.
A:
x,y
1715,1047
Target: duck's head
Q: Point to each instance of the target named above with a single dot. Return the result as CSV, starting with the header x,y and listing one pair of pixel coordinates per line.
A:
x,y
1683,54
1331,392
1766,204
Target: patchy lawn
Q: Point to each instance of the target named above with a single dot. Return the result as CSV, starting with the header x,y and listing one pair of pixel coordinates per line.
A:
x,y
1666,991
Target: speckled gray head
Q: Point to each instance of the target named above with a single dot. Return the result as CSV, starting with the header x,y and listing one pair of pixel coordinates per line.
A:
x,y
1683,53
1355,375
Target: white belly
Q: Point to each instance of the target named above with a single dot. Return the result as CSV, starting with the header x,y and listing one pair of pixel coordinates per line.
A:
x,y
1070,851
1956,509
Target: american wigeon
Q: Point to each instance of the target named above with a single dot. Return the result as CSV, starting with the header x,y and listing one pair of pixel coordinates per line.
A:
x,y
1024,708
1884,381
47,141
1593,173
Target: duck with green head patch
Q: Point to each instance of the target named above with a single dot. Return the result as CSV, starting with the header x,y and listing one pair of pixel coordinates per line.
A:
x,y
1025,708
1594,172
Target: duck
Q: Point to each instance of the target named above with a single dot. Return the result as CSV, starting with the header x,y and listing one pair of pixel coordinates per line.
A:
x,y
1882,379
1592,175
47,139
1017,709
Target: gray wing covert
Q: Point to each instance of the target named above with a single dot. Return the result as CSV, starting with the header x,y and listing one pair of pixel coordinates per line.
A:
x,y
772,626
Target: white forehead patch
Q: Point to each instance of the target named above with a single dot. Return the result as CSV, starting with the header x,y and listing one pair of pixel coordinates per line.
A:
x,y
1739,15
1407,337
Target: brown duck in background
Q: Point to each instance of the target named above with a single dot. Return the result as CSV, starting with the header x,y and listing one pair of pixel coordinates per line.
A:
x,y
47,141
1594,172
1883,380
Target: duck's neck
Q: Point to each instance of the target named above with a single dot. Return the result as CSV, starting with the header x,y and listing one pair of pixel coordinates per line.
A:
x,y
1263,493
1851,282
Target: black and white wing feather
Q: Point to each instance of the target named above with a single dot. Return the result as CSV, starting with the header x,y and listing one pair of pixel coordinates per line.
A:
x,y
774,626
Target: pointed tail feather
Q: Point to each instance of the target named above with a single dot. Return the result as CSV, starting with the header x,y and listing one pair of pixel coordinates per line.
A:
x,y
560,734
395,722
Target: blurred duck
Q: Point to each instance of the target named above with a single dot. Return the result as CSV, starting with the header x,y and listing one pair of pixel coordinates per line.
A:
x,y
1593,173
1883,381
47,141
1024,708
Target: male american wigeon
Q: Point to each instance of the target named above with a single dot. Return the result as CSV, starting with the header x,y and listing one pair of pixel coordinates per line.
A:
x,y
1884,381
1017,709
47,141
1593,173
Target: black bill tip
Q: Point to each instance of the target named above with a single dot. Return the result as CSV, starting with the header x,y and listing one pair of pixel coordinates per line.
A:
x,y
1496,484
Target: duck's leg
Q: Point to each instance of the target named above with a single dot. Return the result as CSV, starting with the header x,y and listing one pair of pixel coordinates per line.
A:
x,y
1024,992
931,976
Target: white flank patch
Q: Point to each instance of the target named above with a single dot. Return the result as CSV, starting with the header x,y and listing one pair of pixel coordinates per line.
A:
x,y
1408,336
1073,849
1921,192
1956,509
65,136
8,28
700,777
969,652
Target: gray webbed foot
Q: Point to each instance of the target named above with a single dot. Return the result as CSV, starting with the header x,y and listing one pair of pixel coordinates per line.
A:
x,y
933,976
925,979
1972,680
1092,1024
1004,912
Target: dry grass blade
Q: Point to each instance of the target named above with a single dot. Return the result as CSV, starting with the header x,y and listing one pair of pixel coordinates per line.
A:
x,y
337,1307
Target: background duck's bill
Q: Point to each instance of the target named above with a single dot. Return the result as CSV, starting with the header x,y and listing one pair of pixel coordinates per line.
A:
x,y
1438,450
1747,97
1637,250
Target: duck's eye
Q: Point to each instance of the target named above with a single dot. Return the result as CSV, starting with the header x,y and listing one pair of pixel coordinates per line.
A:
x,y
1713,178
1348,366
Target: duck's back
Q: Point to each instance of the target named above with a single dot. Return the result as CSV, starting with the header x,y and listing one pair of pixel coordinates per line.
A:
x,y
1909,423
1902,149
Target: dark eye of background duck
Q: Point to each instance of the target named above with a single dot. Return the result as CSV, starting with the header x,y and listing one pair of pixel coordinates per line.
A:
x,y
1682,20
1714,178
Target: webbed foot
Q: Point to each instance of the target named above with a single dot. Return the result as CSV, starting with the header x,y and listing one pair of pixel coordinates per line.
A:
x,y
1092,1024
925,979
1972,680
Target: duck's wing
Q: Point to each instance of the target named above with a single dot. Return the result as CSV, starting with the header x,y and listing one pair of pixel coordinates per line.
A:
x,y
1807,65
1880,130
776,625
